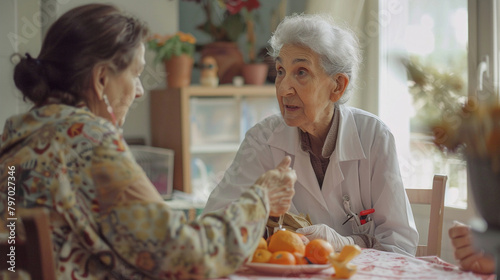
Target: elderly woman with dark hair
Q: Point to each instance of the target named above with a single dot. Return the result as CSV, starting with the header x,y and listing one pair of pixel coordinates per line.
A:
x,y
348,178
67,154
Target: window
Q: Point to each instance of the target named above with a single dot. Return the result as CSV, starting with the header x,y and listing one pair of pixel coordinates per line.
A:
x,y
431,39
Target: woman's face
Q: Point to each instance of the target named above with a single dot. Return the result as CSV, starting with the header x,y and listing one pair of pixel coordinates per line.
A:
x,y
125,86
304,90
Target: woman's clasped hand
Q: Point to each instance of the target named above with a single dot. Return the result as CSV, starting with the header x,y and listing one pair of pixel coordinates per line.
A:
x,y
279,182
469,257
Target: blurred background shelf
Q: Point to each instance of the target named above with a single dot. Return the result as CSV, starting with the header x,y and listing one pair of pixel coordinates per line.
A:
x,y
204,127
215,148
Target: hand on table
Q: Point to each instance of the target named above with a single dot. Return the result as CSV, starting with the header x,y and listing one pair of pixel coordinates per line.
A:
x,y
469,257
279,182
327,233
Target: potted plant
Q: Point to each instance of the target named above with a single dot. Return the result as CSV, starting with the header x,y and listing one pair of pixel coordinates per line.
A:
x,y
474,131
470,130
254,72
176,51
226,21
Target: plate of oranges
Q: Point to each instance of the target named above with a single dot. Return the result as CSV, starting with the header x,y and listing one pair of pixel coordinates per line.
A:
x,y
286,253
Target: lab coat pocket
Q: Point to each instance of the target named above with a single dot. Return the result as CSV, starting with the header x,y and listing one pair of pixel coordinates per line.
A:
x,y
367,228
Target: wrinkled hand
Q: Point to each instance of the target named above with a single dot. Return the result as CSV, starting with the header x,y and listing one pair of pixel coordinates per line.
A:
x,y
279,182
327,233
469,257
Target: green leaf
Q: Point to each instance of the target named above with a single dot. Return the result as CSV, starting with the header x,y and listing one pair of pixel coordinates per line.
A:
x,y
153,45
234,25
177,49
168,47
187,49
162,53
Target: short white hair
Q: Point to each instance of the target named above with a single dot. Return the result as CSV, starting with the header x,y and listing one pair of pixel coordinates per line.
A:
x,y
338,47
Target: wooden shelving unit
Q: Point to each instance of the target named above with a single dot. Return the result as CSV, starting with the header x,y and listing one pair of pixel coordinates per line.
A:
x,y
172,121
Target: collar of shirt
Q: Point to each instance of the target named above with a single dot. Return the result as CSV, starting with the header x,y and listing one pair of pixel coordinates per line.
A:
x,y
331,138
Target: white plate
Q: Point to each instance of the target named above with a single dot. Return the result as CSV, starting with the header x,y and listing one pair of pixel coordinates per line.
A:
x,y
287,269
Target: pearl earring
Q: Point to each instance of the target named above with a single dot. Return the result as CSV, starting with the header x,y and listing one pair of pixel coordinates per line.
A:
x,y
110,109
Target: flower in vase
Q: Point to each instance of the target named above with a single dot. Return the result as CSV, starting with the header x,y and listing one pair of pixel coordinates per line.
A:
x,y
473,130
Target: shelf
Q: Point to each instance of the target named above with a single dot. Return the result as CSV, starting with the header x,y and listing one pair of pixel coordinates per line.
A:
x,y
232,91
215,148
202,122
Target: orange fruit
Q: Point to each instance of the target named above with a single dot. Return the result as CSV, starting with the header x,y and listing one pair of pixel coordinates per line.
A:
x,y
262,243
299,258
318,250
282,257
284,240
261,256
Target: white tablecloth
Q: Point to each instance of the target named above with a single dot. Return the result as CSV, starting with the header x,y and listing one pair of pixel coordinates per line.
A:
x,y
379,265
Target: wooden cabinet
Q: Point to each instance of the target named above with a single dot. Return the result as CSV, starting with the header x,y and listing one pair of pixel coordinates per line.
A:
x,y
205,126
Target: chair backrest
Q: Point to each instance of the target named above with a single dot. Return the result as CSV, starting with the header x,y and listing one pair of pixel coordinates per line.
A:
x,y
35,254
435,198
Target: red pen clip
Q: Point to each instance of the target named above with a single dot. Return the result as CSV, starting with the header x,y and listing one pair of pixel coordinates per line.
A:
x,y
364,214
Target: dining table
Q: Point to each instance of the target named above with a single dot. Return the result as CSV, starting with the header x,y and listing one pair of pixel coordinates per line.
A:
x,y
371,264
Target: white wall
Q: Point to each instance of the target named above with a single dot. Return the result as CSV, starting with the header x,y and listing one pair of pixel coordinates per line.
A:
x,y
19,33
29,19
8,100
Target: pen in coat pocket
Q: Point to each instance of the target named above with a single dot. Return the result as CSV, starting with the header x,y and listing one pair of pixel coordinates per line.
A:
x,y
363,215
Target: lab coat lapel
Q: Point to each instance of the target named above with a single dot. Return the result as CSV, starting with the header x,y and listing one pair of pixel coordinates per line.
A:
x,y
333,178
307,178
348,148
348,143
285,141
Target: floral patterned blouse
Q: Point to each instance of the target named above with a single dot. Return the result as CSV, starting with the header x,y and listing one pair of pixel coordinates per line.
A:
x,y
107,219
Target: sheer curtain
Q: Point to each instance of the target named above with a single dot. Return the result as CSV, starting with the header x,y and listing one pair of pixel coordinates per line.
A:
x,y
379,25
355,14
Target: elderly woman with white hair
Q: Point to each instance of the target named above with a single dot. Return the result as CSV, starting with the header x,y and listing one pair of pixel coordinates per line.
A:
x,y
348,178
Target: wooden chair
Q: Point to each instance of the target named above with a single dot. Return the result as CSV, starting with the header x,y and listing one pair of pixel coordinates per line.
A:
x,y
34,255
435,198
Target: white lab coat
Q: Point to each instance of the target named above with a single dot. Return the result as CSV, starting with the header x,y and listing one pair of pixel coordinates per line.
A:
x,y
364,166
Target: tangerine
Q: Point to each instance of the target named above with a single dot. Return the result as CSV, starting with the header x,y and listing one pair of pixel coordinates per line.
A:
x,y
299,258
282,257
318,250
261,256
262,243
284,240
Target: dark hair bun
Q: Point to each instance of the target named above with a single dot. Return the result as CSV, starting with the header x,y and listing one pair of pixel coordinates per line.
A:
x,y
30,79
